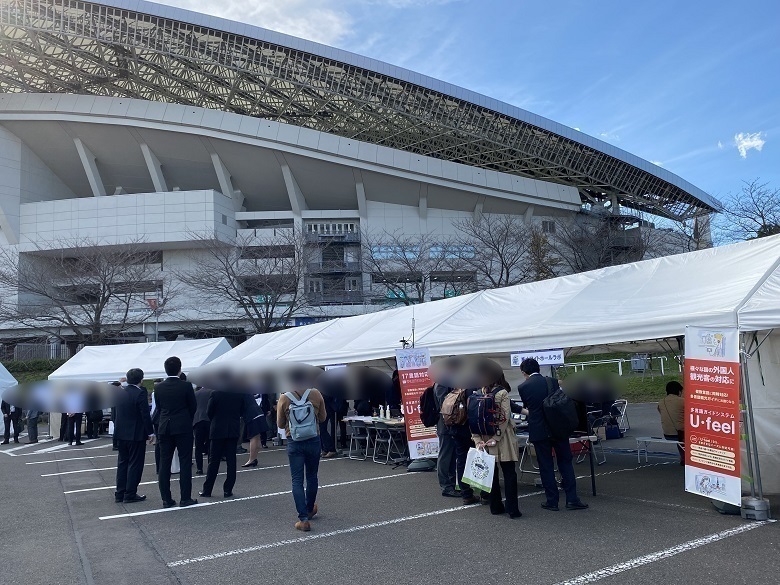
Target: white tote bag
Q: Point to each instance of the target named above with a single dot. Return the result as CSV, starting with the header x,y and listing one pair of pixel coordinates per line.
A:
x,y
111,428
175,466
480,467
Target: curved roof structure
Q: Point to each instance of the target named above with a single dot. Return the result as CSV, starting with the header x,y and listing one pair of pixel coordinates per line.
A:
x,y
138,49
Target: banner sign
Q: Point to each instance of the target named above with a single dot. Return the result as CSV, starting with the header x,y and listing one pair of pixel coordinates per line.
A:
x,y
545,357
712,413
413,367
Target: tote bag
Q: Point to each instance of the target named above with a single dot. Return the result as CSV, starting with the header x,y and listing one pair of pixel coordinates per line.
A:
x,y
480,467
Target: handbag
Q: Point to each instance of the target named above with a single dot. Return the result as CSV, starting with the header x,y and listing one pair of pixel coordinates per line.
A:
x,y
480,467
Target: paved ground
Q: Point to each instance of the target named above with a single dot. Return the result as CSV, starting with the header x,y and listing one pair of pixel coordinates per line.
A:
x,y
376,525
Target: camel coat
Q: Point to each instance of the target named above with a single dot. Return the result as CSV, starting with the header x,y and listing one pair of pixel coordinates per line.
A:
x,y
506,443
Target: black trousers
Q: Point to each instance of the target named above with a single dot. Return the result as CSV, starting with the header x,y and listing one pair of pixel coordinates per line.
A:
x,y
93,429
63,426
509,471
201,432
12,418
130,467
74,427
218,449
169,443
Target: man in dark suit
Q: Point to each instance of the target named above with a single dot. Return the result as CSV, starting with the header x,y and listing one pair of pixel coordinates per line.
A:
x,y
224,411
533,392
11,415
176,405
200,428
132,430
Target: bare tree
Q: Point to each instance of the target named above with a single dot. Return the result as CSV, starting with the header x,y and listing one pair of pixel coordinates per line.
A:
x,y
752,213
590,240
260,279
81,291
495,248
409,269
542,261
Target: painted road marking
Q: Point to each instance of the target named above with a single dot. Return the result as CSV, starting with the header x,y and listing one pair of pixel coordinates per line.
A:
x,y
84,471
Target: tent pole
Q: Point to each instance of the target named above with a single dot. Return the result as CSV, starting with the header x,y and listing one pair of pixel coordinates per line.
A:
x,y
751,425
748,418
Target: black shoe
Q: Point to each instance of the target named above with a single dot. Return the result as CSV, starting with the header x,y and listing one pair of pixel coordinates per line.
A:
x,y
169,503
198,472
228,494
252,463
514,515
204,495
450,494
240,450
497,511
79,444
115,449
31,442
16,440
119,499
4,443
134,498
185,503
551,507
578,505
470,500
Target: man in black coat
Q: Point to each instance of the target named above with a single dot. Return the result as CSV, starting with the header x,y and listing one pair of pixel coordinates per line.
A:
x,y
533,392
132,430
176,405
11,415
224,411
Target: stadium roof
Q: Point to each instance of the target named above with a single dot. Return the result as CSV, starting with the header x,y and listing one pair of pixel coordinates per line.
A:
x,y
134,48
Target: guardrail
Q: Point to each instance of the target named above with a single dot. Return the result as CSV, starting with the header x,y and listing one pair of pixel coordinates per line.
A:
x,y
579,366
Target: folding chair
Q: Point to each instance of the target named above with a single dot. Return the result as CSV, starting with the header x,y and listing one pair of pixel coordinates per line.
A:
x,y
384,444
358,435
620,412
598,424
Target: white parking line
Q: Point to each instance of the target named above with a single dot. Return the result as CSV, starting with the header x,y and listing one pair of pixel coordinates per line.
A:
x,y
25,446
111,487
83,471
350,530
75,459
247,498
63,446
660,555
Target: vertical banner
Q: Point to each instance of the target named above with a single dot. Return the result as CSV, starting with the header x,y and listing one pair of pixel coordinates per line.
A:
x,y
712,413
413,367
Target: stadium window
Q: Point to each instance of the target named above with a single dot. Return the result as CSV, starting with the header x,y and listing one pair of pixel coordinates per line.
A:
x,y
352,284
315,285
548,226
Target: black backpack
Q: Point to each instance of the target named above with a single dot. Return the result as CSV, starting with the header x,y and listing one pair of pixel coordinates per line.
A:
x,y
429,413
484,415
560,412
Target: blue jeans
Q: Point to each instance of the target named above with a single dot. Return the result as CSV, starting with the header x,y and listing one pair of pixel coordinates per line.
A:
x,y
304,457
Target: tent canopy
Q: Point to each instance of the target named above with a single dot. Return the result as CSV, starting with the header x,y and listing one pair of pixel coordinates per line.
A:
x,y
106,363
736,285
6,379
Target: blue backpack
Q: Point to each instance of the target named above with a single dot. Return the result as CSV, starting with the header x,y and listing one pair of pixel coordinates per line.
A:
x,y
303,418
484,414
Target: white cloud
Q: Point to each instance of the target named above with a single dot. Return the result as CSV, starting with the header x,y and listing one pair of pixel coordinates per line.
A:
x,y
657,163
720,145
610,136
745,141
323,21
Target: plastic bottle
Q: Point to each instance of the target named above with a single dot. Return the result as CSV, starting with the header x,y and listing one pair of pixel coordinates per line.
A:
x,y
381,411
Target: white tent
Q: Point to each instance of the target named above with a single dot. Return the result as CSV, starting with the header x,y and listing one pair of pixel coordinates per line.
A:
x,y
6,379
106,363
733,285
615,308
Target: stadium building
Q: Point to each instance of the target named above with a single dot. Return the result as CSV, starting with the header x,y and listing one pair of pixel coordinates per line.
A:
x,y
129,122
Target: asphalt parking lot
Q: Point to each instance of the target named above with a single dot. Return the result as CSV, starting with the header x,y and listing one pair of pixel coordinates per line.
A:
x,y
376,525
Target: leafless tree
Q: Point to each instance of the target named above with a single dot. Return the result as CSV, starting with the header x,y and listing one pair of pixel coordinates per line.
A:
x,y
752,213
259,278
81,291
409,269
542,261
495,248
590,240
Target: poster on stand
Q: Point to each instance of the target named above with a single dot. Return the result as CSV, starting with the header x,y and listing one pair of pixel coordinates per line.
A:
x,y
712,413
413,367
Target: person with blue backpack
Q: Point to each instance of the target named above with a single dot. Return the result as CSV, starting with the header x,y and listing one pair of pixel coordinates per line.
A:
x,y
492,429
300,413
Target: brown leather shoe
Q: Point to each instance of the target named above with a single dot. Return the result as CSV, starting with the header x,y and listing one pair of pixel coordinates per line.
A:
x,y
302,526
313,513
471,500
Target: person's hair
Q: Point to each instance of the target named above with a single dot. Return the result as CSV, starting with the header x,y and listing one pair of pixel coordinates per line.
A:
x,y
529,366
183,377
116,383
673,387
503,383
135,376
173,366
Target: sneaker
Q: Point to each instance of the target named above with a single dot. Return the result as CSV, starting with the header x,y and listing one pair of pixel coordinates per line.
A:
x,y
303,526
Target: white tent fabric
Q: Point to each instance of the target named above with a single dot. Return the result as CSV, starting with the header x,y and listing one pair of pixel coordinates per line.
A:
x,y
106,363
6,379
647,300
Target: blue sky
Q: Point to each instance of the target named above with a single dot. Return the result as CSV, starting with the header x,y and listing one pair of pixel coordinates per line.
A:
x,y
693,86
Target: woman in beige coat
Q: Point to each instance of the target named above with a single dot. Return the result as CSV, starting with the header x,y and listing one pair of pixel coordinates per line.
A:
x,y
503,446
